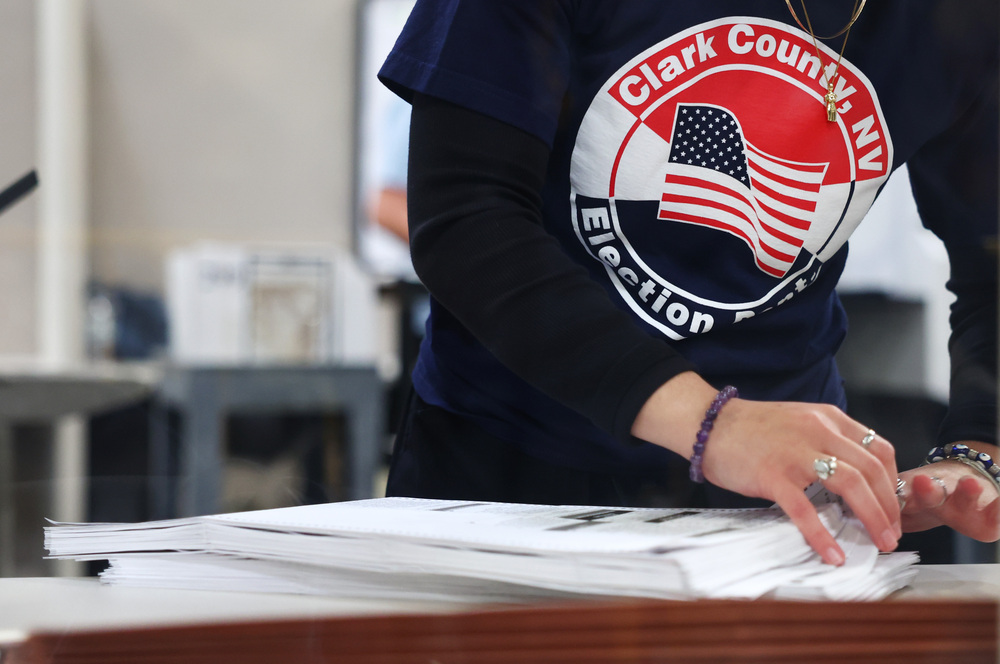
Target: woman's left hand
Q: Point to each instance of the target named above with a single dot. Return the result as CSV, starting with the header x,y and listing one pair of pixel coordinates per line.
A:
x,y
950,493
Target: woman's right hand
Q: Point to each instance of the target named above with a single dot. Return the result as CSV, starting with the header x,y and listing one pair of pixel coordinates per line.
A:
x,y
767,449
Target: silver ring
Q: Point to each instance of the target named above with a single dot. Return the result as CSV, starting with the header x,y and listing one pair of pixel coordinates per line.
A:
x,y
866,442
900,485
825,468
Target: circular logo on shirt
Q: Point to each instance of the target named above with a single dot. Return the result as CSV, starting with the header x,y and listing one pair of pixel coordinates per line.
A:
x,y
708,180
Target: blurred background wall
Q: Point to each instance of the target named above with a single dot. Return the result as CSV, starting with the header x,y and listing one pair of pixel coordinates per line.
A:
x,y
17,156
226,120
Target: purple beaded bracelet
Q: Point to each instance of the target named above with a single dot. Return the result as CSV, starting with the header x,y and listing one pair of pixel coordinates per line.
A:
x,y
724,395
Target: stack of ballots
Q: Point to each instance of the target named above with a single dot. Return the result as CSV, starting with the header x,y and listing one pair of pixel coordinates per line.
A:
x,y
405,548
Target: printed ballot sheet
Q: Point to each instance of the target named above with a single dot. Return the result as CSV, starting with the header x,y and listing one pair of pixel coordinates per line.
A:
x,y
481,551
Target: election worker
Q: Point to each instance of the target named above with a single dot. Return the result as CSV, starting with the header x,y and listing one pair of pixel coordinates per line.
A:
x,y
632,216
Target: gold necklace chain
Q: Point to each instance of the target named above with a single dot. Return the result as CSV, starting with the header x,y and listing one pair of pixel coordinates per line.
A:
x,y
830,97
854,17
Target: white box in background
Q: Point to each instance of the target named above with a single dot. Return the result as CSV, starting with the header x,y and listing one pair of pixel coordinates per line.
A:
x,y
232,304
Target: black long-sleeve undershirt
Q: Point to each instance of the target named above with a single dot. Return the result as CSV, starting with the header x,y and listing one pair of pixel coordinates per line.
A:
x,y
955,186
479,246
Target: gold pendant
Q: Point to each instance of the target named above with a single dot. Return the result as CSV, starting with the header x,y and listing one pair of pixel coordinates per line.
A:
x,y
831,104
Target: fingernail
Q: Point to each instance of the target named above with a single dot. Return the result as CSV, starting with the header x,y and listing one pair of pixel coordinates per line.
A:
x,y
834,556
889,540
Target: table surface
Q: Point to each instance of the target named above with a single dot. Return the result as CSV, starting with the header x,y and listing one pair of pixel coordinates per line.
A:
x,y
75,604
35,391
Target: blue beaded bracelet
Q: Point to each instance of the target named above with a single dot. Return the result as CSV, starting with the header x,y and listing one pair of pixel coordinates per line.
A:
x,y
979,461
724,395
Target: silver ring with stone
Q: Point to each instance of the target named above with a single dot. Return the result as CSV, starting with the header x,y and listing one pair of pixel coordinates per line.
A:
x,y
866,442
825,468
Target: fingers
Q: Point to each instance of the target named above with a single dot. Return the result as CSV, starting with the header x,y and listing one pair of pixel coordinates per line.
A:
x,y
881,449
965,512
967,493
923,495
866,480
880,519
946,494
927,492
876,472
803,514
767,448
885,453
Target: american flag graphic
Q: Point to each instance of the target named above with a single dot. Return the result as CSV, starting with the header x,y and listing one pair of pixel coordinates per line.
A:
x,y
716,178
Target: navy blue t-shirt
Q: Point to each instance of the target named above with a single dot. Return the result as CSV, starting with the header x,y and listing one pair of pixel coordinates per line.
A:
x,y
696,177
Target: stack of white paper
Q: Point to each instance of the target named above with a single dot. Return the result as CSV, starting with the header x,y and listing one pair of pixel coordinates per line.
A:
x,y
475,551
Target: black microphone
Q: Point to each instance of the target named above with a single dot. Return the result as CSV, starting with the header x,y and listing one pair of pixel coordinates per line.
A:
x,y
18,190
